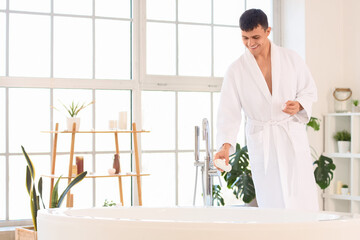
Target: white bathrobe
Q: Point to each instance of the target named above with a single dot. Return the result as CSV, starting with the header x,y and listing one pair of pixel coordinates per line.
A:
x,y
279,152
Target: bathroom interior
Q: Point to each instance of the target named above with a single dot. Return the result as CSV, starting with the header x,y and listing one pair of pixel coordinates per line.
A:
x,y
143,78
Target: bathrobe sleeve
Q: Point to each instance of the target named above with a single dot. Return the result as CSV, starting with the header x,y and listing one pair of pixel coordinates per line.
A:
x,y
229,112
306,92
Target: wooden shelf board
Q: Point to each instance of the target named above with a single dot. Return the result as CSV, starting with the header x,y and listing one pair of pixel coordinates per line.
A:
x,y
105,131
96,175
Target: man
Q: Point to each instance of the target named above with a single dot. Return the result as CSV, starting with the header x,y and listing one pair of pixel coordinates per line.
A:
x,y
274,88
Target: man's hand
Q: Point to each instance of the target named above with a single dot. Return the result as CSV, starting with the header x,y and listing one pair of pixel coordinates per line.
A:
x,y
223,154
292,107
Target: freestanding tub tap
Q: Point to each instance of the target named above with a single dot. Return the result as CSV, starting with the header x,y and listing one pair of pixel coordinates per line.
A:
x,y
207,167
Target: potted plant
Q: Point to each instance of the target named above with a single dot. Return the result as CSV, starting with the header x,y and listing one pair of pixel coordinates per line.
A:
x,y
325,166
239,179
36,196
343,139
109,203
73,110
217,198
355,105
344,189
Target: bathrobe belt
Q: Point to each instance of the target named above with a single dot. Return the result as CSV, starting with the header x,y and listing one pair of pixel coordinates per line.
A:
x,y
286,161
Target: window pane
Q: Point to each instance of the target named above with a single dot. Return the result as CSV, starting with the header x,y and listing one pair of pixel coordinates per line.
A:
x,y
228,12
228,47
159,118
108,188
119,100
194,11
19,207
160,49
265,5
112,49
158,189
2,188
2,4
2,44
113,8
2,120
29,53
187,172
30,5
29,113
83,141
160,9
194,50
82,7
72,47
191,114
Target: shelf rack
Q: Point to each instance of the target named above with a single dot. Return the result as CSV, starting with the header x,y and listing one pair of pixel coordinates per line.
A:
x,y
347,164
137,174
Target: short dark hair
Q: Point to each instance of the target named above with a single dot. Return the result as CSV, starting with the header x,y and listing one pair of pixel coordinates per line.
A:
x,y
251,18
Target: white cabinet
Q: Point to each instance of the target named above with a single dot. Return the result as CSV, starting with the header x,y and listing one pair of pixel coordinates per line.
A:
x,y
347,164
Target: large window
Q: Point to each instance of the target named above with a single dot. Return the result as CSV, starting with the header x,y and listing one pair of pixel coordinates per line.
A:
x,y
192,38
162,61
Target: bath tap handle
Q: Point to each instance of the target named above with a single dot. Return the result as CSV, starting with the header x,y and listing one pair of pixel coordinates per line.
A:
x,y
205,127
197,142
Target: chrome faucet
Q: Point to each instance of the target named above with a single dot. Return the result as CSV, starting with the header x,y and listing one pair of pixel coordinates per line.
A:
x,y
207,167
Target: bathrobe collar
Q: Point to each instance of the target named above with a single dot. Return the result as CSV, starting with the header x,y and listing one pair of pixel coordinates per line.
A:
x,y
258,76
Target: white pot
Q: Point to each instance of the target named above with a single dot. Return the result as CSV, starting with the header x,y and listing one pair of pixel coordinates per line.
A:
x,y
344,146
356,108
344,191
70,122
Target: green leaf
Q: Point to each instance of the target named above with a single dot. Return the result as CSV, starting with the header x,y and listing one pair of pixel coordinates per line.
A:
x,y
34,207
30,164
55,194
239,179
314,123
217,198
76,180
324,171
28,180
40,184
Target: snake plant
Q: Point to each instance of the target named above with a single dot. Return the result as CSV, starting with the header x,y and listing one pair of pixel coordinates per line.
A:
x,y
31,189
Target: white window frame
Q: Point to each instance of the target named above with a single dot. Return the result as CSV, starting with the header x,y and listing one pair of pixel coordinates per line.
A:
x,y
140,81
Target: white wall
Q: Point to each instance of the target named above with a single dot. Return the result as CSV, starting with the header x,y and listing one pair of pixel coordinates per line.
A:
x,y
324,40
351,36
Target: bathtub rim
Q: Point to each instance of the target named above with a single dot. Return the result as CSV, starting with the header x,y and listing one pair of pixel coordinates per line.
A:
x,y
62,213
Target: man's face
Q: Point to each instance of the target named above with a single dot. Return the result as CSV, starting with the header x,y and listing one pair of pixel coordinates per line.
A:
x,y
256,39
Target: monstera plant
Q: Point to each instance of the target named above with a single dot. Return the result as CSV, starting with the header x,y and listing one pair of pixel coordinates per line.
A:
x,y
324,171
239,179
324,165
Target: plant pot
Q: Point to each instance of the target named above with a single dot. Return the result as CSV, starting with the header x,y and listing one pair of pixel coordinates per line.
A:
x,y
25,233
344,146
70,122
344,191
356,108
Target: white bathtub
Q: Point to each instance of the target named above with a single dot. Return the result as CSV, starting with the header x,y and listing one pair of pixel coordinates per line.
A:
x,y
194,223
